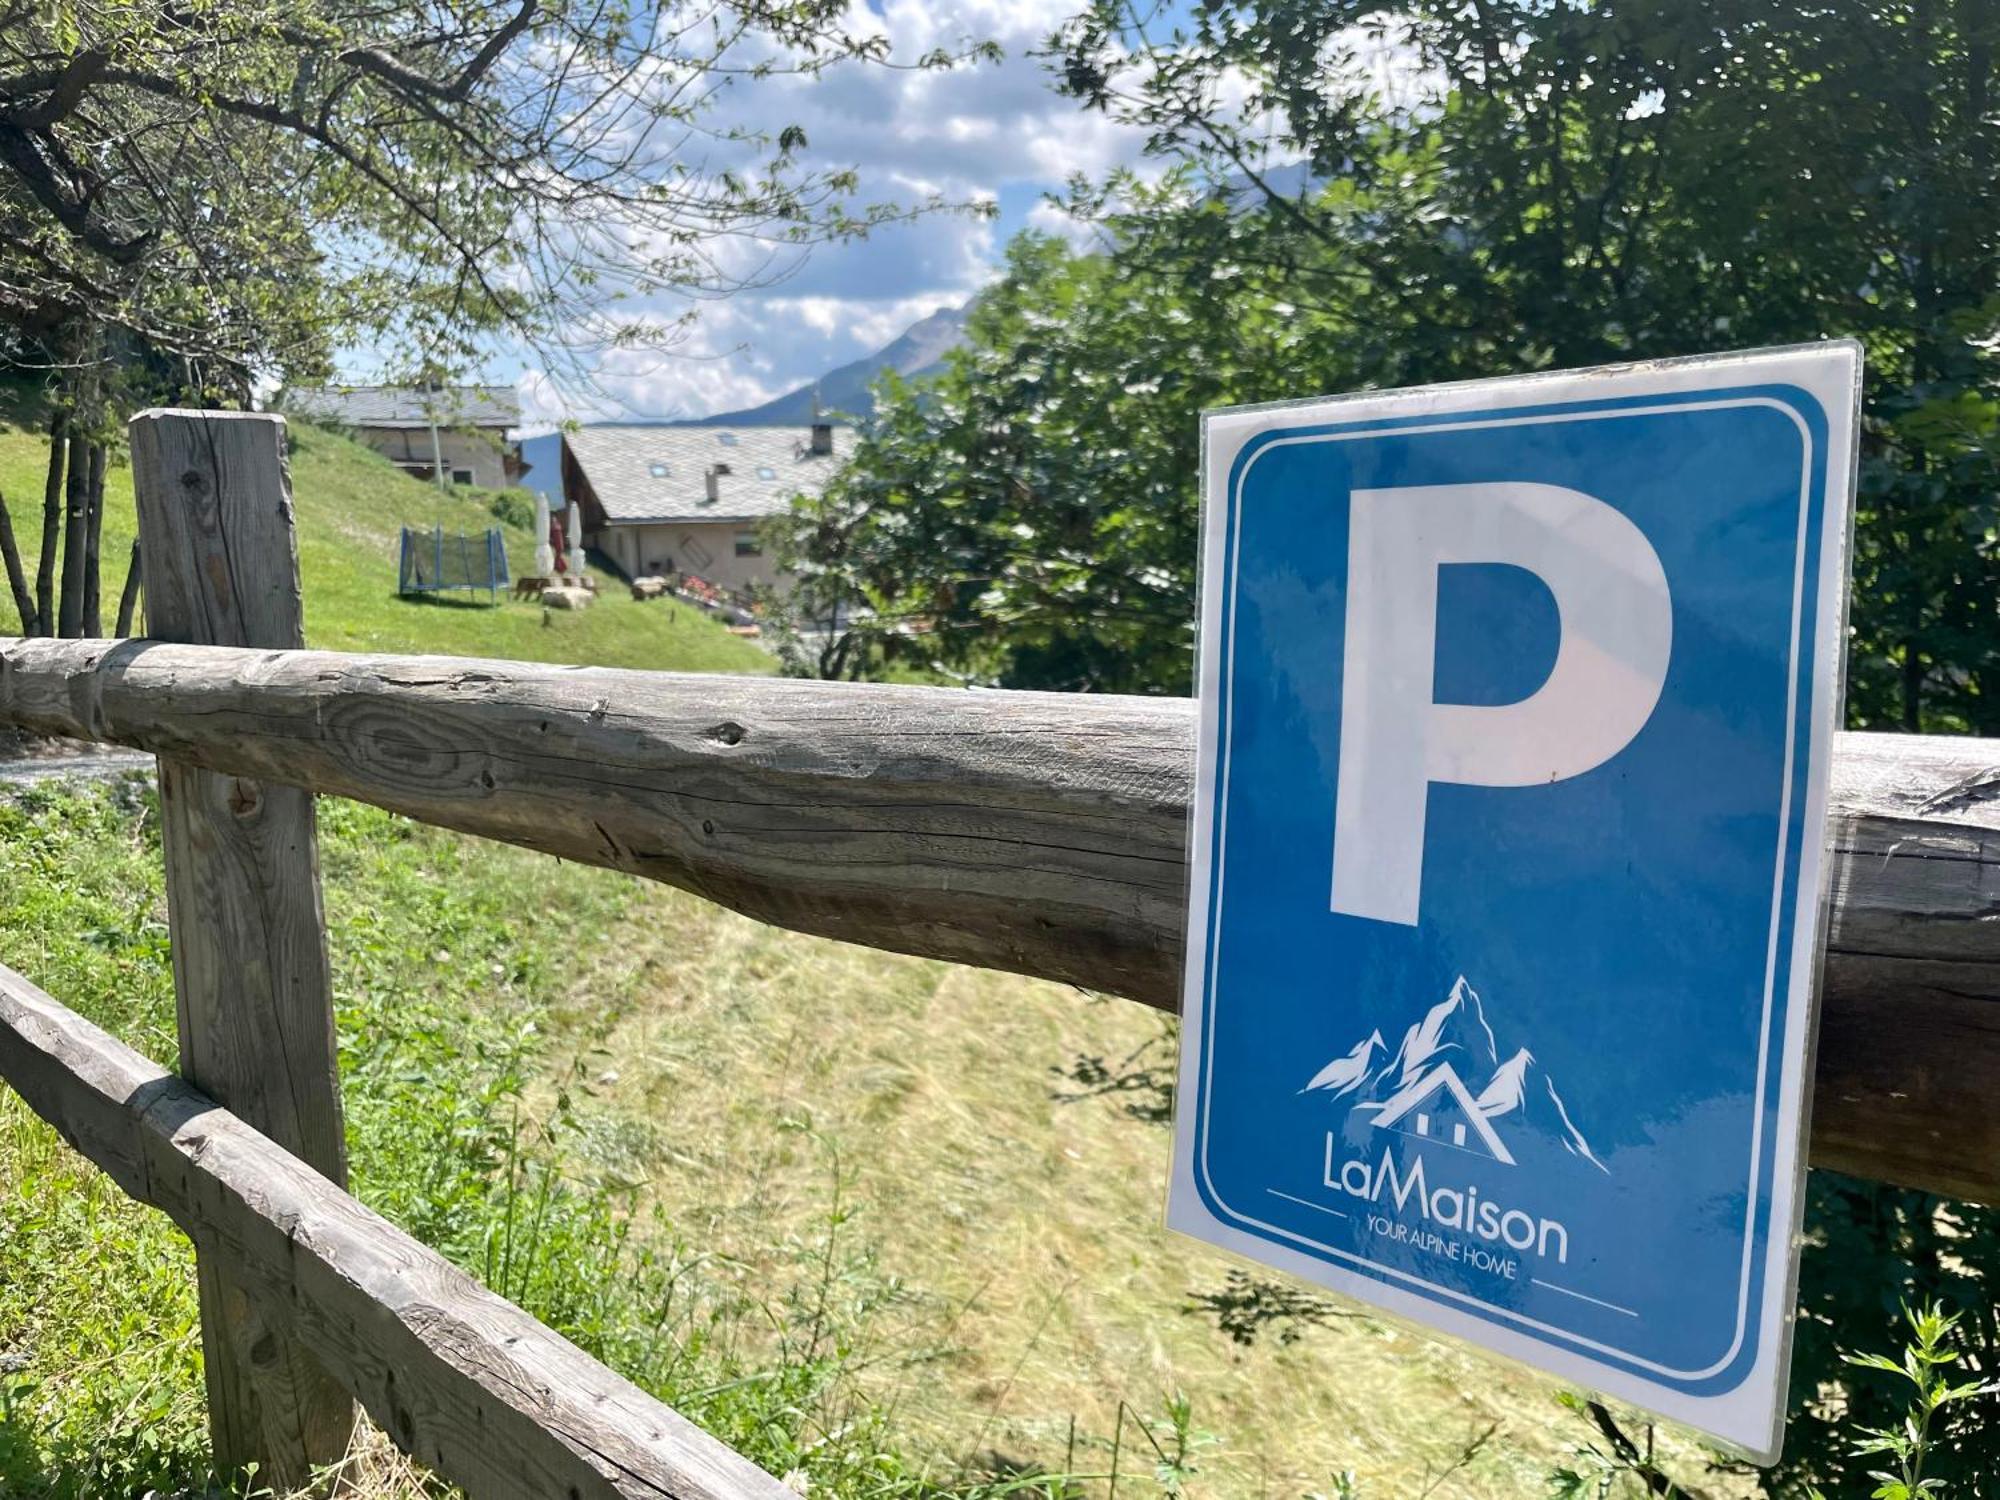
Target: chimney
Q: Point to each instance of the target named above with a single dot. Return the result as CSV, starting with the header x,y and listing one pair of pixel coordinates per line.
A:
x,y
713,480
822,430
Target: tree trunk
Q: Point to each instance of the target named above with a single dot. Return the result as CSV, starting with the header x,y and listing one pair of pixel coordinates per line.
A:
x,y
93,611
52,498
128,601
76,521
17,581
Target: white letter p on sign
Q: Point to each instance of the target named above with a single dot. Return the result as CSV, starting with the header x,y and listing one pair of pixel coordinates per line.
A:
x,y
1611,662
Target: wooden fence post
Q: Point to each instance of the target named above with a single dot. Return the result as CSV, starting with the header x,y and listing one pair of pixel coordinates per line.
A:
x,y
243,893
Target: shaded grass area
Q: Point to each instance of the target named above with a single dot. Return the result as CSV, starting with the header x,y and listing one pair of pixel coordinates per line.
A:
x,y
351,503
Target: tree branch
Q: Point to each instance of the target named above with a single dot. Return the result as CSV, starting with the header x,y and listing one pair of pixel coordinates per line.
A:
x,y
65,93
392,69
27,153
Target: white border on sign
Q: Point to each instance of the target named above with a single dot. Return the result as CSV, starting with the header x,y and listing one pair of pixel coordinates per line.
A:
x,y
1791,688
1748,1416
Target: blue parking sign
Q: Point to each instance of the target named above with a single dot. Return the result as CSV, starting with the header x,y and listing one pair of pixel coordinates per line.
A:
x,y
1517,700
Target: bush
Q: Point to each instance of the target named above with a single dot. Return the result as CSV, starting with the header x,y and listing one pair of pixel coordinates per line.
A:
x,y
513,507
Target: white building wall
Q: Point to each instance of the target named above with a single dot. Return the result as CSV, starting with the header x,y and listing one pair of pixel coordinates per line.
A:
x,y
708,549
476,454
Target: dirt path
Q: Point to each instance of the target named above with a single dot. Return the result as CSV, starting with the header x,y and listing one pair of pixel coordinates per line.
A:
x,y
25,760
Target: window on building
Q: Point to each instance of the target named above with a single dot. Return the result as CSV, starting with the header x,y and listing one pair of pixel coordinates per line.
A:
x,y
766,473
747,544
461,476
657,469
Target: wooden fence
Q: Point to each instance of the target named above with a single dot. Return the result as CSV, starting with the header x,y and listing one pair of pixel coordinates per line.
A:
x,y
1038,833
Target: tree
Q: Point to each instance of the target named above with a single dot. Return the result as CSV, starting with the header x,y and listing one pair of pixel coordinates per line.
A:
x,y
236,183
1027,517
1543,186
1503,187
1540,186
212,191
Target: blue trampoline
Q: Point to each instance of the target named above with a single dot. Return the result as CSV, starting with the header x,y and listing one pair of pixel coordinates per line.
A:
x,y
436,563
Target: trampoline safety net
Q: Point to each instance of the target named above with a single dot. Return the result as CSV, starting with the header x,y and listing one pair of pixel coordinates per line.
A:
x,y
433,562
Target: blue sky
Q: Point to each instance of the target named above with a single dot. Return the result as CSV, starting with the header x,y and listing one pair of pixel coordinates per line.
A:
x,y
995,132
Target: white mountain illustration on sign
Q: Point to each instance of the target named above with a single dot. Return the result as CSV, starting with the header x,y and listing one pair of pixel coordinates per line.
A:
x,y
1426,1086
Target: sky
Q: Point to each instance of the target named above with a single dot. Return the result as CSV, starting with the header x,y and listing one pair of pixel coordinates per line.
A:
x,y
990,132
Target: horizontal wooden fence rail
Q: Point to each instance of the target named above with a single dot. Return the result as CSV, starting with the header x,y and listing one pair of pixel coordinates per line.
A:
x,y
1039,833
458,1377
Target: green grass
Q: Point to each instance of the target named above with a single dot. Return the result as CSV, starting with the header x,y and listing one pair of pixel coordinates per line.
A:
x,y
350,504
449,957
868,1243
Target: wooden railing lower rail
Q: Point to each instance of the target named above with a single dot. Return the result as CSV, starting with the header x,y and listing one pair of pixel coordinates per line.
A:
x,y
1033,832
460,1378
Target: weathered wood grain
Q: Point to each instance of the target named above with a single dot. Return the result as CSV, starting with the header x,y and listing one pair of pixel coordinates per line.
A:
x,y
1040,833
243,899
461,1379
1909,1049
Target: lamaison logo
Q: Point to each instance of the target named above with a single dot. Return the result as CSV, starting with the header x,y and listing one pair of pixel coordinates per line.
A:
x,y
1445,1086
1425,1089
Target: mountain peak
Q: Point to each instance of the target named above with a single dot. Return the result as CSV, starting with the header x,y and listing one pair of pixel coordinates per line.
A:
x,y
1505,1092
1345,1074
1451,1046
915,352
1456,1024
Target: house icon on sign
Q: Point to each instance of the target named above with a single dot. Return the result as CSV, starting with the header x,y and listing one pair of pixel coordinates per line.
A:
x,y
1438,1107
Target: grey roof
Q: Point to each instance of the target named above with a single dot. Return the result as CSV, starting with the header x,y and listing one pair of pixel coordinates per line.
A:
x,y
620,462
405,406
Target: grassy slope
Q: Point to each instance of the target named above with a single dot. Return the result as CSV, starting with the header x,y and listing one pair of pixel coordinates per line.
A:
x,y
739,1073
350,504
1024,1219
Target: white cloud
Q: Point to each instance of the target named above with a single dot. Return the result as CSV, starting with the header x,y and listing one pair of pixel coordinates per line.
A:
x,y
869,323
987,133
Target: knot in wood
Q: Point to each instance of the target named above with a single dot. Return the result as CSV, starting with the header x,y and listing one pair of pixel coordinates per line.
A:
x,y
193,481
729,732
245,797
